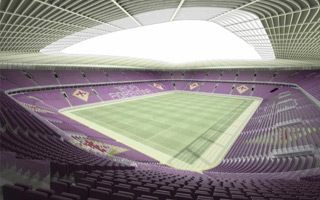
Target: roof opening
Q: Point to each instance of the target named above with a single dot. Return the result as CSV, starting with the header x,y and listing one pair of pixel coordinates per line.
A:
x,y
173,42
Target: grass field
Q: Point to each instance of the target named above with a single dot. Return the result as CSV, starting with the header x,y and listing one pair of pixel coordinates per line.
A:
x,y
179,126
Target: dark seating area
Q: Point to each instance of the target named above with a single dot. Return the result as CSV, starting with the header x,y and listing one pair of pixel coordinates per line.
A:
x,y
157,185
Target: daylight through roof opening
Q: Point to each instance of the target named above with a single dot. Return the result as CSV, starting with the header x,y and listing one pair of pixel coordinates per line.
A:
x,y
174,42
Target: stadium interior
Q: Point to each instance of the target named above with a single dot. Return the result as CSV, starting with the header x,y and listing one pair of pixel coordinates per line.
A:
x,y
114,127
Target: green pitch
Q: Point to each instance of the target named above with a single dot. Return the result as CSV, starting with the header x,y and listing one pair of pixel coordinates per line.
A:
x,y
179,129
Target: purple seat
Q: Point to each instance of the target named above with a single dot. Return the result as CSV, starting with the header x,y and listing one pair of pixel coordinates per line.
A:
x,y
105,184
137,183
79,174
167,188
84,185
105,189
204,198
99,194
149,197
182,196
142,198
220,195
88,181
120,196
35,195
142,190
239,197
24,186
151,186
184,190
123,187
71,196
162,194
258,198
59,187
47,191
79,190
127,193
68,182
202,193
11,192
58,197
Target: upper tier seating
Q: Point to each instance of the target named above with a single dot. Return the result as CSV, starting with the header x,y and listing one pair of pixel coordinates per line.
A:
x,y
10,79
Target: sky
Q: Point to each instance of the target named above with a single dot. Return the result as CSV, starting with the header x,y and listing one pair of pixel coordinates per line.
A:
x,y
172,42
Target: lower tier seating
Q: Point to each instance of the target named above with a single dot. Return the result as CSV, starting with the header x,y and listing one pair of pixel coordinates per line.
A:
x,y
161,185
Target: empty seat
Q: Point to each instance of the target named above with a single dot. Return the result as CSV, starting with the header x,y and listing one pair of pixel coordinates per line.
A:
x,y
11,192
99,194
59,187
79,190
88,181
71,196
142,190
58,197
105,184
149,197
182,196
120,196
162,194
47,191
24,186
35,195
204,198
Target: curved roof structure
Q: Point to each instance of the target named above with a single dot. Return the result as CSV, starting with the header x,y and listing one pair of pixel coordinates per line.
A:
x,y
287,30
